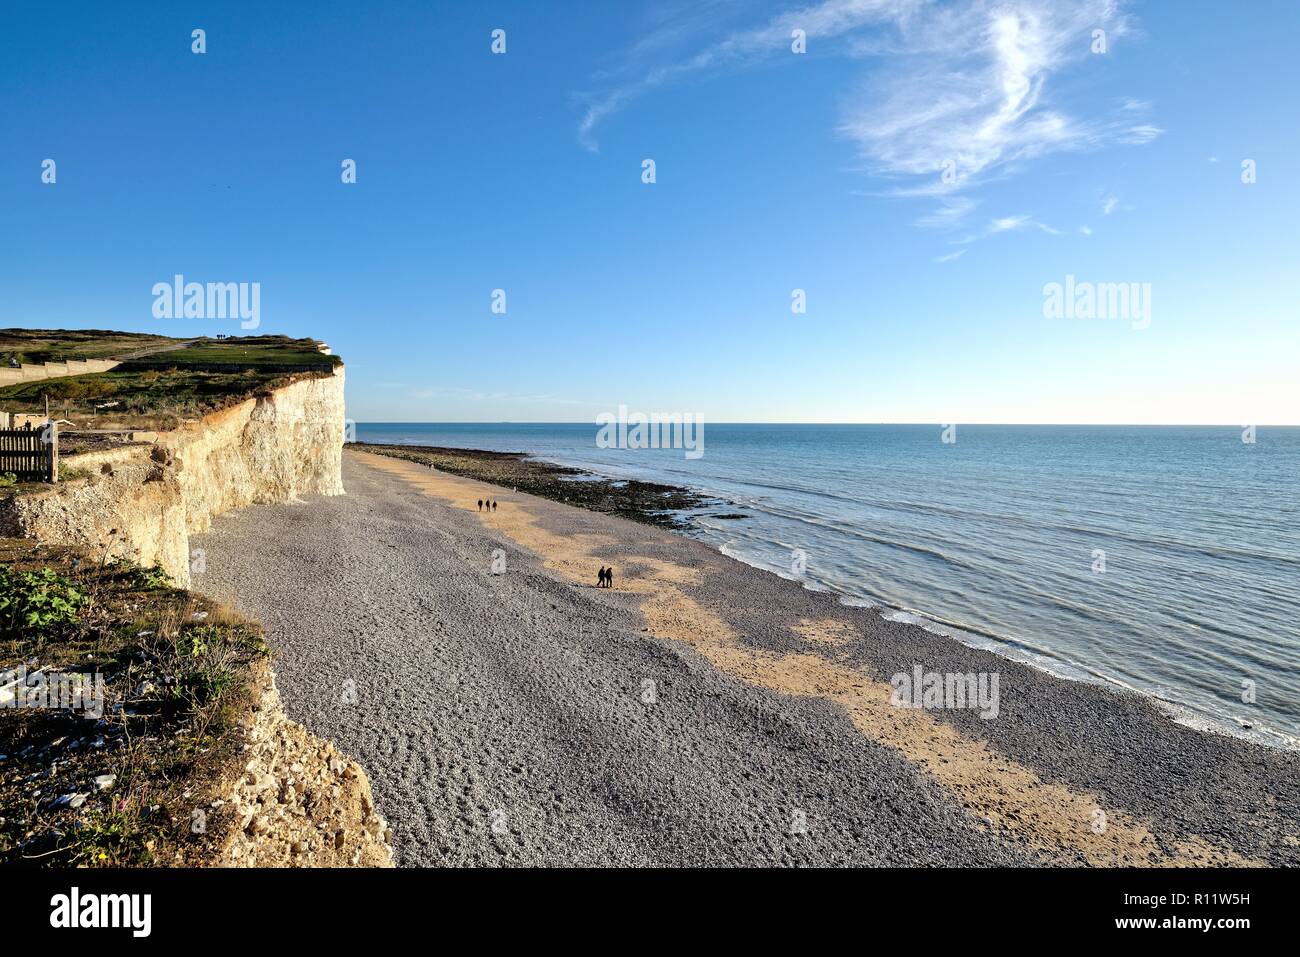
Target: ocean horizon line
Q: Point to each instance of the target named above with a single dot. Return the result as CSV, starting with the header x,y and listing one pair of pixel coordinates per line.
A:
x,y
1018,425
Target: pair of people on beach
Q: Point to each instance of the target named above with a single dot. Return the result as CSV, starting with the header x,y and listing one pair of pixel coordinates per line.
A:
x,y
490,503
606,577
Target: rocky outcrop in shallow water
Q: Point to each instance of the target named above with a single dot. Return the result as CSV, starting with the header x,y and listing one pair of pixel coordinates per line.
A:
x,y
651,503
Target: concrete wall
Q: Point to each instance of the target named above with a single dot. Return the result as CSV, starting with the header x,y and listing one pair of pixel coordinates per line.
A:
x,y
22,420
53,370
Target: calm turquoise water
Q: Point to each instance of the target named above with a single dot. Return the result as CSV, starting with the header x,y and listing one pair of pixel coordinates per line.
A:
x,y
994,538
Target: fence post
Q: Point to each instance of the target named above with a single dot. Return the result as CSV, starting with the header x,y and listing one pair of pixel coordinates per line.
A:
x,y
54,450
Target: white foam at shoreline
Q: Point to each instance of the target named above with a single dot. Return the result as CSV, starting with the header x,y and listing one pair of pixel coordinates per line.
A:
x,y
1205,717
1018,650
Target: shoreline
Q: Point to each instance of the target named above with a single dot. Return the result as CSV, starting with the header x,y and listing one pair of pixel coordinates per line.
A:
x,y
642,501
1020,651
650,502
783,693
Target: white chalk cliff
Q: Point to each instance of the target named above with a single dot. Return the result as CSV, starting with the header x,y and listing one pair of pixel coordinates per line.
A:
x,y
144,502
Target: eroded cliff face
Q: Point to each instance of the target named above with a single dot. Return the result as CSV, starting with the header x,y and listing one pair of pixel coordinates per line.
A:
x,y
294,800
299,802
272,448
143,503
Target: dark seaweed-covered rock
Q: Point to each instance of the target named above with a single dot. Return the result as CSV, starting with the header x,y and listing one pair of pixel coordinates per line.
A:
x,y
647,502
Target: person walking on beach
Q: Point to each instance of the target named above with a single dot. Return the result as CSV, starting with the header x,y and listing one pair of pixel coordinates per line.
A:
x,y
600,578
494,505
480,505
609,577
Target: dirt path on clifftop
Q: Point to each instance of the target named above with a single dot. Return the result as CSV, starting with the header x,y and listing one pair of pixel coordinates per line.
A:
x,y
703,712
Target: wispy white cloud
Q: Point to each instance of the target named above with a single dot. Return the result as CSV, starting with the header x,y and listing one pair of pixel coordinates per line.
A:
x,y
959,94
1138,135
1109,204
951,211
951,256
1007,224
967,93
827,19
966,81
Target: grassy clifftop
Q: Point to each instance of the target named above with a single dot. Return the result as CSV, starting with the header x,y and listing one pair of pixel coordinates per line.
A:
x,y
58,345
181,379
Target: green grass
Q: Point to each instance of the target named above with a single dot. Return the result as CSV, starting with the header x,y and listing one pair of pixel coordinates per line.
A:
x,y
170,393
58,345
178,672
160,391
247,353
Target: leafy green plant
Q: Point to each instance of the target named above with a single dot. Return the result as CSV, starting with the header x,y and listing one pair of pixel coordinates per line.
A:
x,y
173,749
150,579
114,838
37,603
198,638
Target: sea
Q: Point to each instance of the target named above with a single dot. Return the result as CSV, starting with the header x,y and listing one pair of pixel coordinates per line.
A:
x,y
1164,560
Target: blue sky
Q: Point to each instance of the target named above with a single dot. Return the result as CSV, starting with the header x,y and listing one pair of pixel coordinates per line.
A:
x,y
775,171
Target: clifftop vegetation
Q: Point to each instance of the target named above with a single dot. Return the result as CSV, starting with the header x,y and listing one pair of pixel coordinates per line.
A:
x,y
175,379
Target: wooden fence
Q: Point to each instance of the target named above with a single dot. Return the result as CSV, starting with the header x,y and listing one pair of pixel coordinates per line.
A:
x,y
31,454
